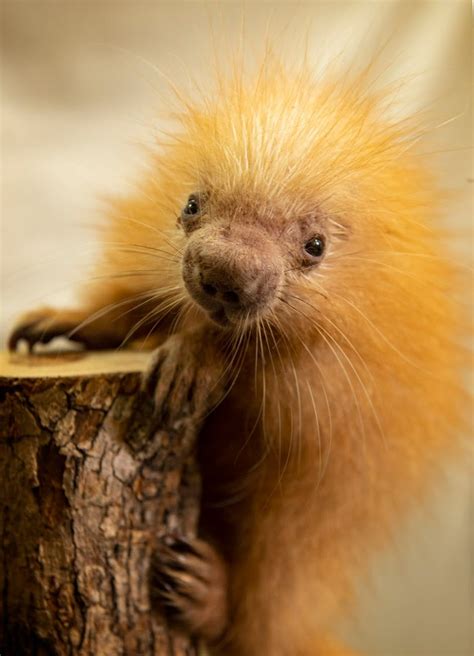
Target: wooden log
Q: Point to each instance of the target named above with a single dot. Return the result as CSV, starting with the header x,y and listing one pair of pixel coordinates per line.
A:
x,y
84,495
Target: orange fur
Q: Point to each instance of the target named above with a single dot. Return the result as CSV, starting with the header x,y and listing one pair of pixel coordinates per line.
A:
x,y
348,391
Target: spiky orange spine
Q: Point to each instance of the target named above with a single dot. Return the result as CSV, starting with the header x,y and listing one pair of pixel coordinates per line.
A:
x,y
349,390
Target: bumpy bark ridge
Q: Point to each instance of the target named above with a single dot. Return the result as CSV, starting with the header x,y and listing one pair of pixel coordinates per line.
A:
x,y
81,506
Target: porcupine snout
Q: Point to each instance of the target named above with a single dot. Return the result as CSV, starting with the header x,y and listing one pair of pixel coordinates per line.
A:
x,y
232,274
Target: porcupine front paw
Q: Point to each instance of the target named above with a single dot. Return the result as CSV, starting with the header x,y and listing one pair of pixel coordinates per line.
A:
x,y
189,583
43,324
185,379
39,326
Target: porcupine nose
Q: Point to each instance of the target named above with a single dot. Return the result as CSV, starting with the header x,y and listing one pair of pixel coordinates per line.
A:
x,y
232,274
219,291
243,284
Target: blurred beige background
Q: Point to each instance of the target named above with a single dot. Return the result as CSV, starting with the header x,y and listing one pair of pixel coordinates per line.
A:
x,y
80,94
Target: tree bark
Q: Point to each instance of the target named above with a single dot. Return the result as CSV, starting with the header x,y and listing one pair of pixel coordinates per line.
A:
x,y
84,495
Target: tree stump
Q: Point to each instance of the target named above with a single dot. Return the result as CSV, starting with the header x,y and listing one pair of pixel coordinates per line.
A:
x,y
84,495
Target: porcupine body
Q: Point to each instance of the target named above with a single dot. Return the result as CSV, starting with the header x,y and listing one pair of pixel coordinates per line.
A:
x,y
309,276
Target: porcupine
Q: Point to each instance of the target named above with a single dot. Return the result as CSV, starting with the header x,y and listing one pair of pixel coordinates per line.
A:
x,y
307,284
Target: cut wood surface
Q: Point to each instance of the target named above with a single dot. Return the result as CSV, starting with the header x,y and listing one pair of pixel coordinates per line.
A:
x,y
88,485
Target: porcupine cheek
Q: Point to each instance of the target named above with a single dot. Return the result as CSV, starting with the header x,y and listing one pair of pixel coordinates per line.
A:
x,y
233,276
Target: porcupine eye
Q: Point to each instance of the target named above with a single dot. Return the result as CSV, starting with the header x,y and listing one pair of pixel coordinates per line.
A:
x,y
192,207
315,246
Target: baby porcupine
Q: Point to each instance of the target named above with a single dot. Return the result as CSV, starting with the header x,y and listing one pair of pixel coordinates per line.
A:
x,y
303,293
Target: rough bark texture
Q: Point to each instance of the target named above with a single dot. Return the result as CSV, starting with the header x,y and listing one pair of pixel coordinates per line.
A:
x,y
80,509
